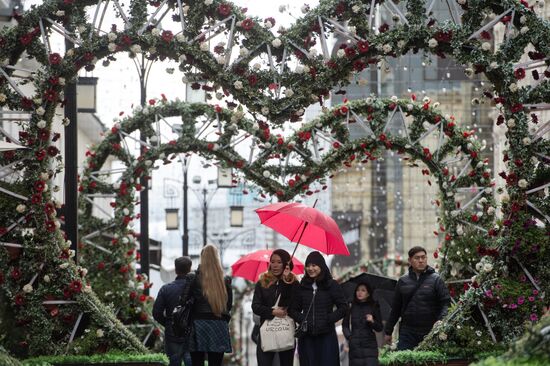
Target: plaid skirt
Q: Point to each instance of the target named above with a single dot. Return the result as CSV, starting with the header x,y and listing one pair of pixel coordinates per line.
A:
x,y
210,336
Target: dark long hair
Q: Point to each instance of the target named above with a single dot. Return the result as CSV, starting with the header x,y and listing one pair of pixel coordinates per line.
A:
x,y
370,299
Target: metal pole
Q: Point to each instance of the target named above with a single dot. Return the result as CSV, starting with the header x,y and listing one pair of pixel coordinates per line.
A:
x,y
144,194
185,236
71,167
204,215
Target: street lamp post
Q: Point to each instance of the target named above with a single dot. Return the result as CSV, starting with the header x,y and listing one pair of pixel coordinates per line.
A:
x,y
204,195
185,236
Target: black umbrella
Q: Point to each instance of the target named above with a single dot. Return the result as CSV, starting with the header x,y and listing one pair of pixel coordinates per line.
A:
x,y
382,287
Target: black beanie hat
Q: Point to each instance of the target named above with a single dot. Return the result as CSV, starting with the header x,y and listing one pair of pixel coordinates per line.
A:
x,y
285,257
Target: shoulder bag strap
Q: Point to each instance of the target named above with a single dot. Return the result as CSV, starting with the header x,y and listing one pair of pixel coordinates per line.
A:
x,y
310,304
190,277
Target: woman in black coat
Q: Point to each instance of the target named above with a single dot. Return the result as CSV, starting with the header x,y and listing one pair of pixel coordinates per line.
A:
x,y
319,302
364,319
278,280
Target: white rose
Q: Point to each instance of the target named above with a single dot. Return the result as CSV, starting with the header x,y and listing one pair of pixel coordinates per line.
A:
x,y
21,208
268,24
356,9
3,97
526,141
244,52
432,43
276,43
265,110
479,266
485,46
208,2
299,69
64,265
461,2
491,210
136,48
27,288
522,183
289,92
513,87
155,32
257,66
401,43
111,47
443,336
459,230
387,48
487,267
220,59
204,46
340,53
111,36
266,173
238,85
524,30
41,124
511,123
40,111
312,52
87,289
493,65
352,29
100,332
47,279
369,100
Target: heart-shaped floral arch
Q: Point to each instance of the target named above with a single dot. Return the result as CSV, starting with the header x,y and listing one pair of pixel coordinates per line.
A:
x,y
274,93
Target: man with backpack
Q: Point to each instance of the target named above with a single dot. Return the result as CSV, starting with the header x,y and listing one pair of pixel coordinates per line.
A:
x,y
176,348
421,299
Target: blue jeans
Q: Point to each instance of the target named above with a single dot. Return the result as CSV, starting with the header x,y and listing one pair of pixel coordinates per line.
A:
x,y
176,353
409,338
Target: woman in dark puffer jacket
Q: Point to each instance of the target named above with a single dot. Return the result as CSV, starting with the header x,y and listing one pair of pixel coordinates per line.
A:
x,y
320,302
364,316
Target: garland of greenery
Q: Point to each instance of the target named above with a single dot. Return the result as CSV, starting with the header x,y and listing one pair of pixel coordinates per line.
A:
x,y
243,83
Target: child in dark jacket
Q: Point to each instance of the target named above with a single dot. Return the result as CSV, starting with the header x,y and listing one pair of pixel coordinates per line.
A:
x,y
359,325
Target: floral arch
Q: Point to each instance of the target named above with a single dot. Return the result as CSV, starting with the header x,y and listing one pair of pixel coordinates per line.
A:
x,y
273,93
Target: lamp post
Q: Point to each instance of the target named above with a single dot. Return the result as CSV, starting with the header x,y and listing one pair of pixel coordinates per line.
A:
x,y
204,196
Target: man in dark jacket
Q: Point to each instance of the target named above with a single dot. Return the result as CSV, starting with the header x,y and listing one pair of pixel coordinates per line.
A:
x,y
421,299
176,348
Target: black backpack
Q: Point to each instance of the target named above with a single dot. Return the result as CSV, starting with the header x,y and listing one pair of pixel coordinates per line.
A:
x,y
181,316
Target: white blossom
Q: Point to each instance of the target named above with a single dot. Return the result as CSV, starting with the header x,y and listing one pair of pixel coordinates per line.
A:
x,y
356,9
486,46
238,85
100,332
111,47
40,111
2,97
276,43
443,336
21,208
208,2
522,183
135,48
204,46
491,211
244,52
266,174
340,53
289,92
265,110
111,36
387,48
352,29
513,87
47,278
524,30
511,123
155,32
181,38
27,288
41,124
268,24
487,267
220,59
526,141
64,265
459,230
432,43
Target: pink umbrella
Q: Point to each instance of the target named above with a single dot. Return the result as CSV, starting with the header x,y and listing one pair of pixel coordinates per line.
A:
x,y
304,225
252,265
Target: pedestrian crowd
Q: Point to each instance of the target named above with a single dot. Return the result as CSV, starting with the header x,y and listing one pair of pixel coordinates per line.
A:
x,y
298,314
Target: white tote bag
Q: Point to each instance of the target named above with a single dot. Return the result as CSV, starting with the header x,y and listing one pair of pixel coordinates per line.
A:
x,y
277,334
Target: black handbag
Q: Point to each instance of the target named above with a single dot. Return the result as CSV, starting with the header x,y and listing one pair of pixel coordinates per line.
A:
x,y
301,330
181,315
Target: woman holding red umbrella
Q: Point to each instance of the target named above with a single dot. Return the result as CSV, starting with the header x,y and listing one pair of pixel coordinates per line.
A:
x,y
318,303
277,281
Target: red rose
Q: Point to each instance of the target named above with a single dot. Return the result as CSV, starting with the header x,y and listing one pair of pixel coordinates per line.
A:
x,y
19,299
224,9
101,265
53,151
26,103
39,186
350,52
167,36
40,155
516,108
75,286
363,46
359,65
247,24
519,73
142,298
15,273
55,59
50,95
50,226
252,80
36,198
54,312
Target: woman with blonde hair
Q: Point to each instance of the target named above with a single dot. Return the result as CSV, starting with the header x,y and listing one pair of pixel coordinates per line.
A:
x,y
211,310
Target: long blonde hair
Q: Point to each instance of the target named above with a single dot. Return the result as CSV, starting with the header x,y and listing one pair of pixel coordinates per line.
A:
x,y
212,281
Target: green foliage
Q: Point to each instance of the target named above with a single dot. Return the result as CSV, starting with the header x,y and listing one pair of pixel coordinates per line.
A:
x,y
7,360
118,358
517,361
411,357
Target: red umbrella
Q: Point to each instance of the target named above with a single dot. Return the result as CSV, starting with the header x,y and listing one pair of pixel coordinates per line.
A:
x,y
304,225
252,265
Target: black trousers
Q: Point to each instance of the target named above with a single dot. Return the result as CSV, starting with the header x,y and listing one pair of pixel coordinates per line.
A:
x,y
286,358
214,358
